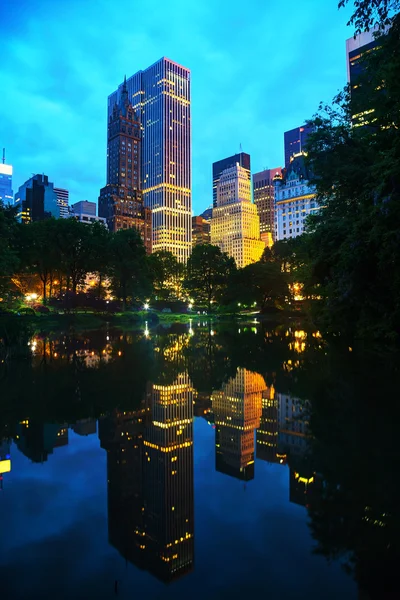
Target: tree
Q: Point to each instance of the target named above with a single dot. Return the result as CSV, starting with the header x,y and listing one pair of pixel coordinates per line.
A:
x,y
166,273
72,238
9,260
262,284
208,272
368,13
98,248
130,278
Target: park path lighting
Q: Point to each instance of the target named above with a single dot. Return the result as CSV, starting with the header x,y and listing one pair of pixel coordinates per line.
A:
x,y
146,306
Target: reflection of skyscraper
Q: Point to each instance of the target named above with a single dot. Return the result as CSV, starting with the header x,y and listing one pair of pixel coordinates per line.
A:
x,y
293,425
150,480
121,435
267,433
85,426
303,486
37,440
237,410
168,479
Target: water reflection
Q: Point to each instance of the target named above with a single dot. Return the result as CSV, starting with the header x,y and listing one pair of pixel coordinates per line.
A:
x,y
283,396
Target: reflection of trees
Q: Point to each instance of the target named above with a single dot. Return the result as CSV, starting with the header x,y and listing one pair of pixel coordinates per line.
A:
x,y
355,449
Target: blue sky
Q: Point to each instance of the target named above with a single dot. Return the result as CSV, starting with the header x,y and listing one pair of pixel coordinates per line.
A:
x,y
258,68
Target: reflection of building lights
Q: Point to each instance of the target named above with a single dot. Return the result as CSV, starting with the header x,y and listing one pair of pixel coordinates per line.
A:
x,y
146,331
212,332
190,327
119,353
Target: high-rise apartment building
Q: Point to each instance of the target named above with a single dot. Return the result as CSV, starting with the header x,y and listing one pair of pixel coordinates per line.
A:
x,y
295,142
121,201
160,97
62,201
264,199
85,212
36,200
200,231
235,225
6,171
237,411
218,167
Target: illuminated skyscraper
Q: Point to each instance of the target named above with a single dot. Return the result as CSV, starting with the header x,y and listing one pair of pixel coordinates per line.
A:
x,y
6,171
121,200
235,225
237,411
160,97
264,199
168,479
226,163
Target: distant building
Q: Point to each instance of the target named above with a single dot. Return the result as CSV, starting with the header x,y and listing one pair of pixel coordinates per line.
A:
x,y
295,142
62,201
36,440
121,200
218,167
295,200
200,231
235,225
85,212
264,199
85,427
36,200
161,98
6,192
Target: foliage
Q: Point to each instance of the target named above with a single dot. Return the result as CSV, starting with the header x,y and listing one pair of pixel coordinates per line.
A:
x,y
8,246
370,13
261,284
167,275
208,272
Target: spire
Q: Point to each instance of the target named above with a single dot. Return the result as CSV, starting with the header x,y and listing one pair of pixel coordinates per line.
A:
x,y
124,97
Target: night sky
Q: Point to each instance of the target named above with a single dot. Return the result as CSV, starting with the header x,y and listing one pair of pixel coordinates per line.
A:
x,y
258,68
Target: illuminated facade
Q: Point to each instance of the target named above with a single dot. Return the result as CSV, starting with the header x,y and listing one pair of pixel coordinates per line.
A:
x,y
160,96
235,225
294,202
292,425
121,201
218,167
237,410
264,199
6,192
295,142
36,200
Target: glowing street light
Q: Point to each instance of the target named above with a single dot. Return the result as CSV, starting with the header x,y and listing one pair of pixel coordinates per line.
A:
x,y
146,306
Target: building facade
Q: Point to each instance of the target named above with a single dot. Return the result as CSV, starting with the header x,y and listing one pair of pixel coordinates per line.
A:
x,y
294,201
62,201
36,200
160,96
121,201
264,199
6,191
200,231
235,225
295,141
218,167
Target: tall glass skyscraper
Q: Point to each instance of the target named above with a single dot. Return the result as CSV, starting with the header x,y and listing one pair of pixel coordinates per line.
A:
x,y
6,192
160,96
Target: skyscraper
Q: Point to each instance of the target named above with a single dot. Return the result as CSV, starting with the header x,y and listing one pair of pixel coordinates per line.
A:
x,y
218,167
121,200
237,411
295,141
235,225
200,231
160,96
6,171
62,201
264,199
36,200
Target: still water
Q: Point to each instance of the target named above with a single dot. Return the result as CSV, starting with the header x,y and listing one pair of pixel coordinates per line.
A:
x,y
197,461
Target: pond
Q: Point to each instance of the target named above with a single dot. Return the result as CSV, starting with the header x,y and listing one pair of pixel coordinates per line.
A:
x,y
199,460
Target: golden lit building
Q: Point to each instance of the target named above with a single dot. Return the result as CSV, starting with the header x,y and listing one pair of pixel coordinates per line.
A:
x,y
237,411
264,199
267,433
235,224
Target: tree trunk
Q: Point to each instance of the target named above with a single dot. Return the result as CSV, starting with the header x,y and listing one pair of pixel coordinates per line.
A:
x,y
44,281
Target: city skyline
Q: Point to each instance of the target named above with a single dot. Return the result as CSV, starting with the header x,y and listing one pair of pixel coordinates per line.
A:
x,y
46,137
